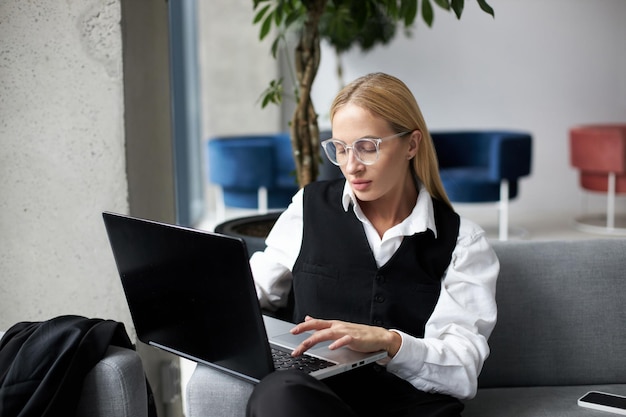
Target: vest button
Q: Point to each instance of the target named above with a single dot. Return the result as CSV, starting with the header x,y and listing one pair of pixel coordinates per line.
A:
x,y
380,279
379,299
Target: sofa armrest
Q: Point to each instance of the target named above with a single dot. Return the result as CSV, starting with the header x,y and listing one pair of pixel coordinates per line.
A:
x,y
212,393
116,386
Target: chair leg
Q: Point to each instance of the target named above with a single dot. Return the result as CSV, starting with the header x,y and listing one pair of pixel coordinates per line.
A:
x,y
610,202
611,223
262,200
504,210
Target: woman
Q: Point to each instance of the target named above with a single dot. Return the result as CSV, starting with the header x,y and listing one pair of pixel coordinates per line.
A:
x,y
379,261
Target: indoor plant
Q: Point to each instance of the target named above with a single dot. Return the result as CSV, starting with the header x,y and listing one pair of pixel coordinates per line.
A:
x,y
344,24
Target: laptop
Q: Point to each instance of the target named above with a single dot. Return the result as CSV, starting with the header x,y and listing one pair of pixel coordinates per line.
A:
x,y
191,292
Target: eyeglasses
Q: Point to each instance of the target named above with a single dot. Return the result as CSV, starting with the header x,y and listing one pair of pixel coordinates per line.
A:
x,y
366,150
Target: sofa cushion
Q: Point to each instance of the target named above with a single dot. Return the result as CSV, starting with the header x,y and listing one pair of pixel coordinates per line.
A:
x,y
561,314
214,393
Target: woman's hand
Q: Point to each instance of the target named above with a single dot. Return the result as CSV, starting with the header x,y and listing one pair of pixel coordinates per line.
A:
x,y
358,337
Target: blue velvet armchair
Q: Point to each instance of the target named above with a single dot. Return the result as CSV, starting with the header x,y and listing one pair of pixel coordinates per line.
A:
x,y
483,166
252,171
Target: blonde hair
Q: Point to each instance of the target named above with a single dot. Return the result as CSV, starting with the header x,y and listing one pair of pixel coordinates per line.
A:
x,y
389,98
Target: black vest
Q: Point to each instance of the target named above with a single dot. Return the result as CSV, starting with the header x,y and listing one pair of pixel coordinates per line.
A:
x,y
336,277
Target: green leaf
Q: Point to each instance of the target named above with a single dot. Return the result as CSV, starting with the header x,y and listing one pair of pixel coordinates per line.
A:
x,y
444,4
486,8
392,8
427,12
360,13
274,48
278,16
457,6
291,18
408,9
272,94
266,26
260,15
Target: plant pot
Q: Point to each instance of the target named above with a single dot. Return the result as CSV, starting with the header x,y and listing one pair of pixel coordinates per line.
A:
x,y
252,229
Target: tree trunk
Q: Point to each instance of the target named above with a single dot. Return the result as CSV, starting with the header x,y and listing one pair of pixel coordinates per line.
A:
x,y
304,127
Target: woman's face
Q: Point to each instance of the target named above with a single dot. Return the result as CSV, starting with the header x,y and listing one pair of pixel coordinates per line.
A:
x,y
388,174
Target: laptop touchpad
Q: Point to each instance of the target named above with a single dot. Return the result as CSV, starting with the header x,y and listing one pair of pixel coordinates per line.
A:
x,y
290,341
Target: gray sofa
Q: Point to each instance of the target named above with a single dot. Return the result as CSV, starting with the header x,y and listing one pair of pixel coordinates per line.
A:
x,y
561,332
115,387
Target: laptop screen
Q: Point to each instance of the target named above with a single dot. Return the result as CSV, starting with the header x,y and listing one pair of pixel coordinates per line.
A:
x,y
190,292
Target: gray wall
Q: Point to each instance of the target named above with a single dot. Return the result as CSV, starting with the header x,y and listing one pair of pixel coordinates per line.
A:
x,y
62,158
84,127
235,69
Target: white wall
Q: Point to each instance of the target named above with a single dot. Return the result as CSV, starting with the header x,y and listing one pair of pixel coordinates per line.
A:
x,y
540,65
62,158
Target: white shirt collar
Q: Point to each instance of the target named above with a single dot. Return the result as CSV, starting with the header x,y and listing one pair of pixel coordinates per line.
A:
x,y
421,218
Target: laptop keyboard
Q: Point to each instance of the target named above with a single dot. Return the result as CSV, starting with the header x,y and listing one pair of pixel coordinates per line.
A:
x,y
306,363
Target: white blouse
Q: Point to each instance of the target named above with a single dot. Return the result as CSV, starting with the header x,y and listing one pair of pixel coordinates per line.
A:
x,y
449,358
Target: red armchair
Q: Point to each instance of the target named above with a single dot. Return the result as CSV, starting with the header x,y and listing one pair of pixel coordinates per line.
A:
x,y
599,152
